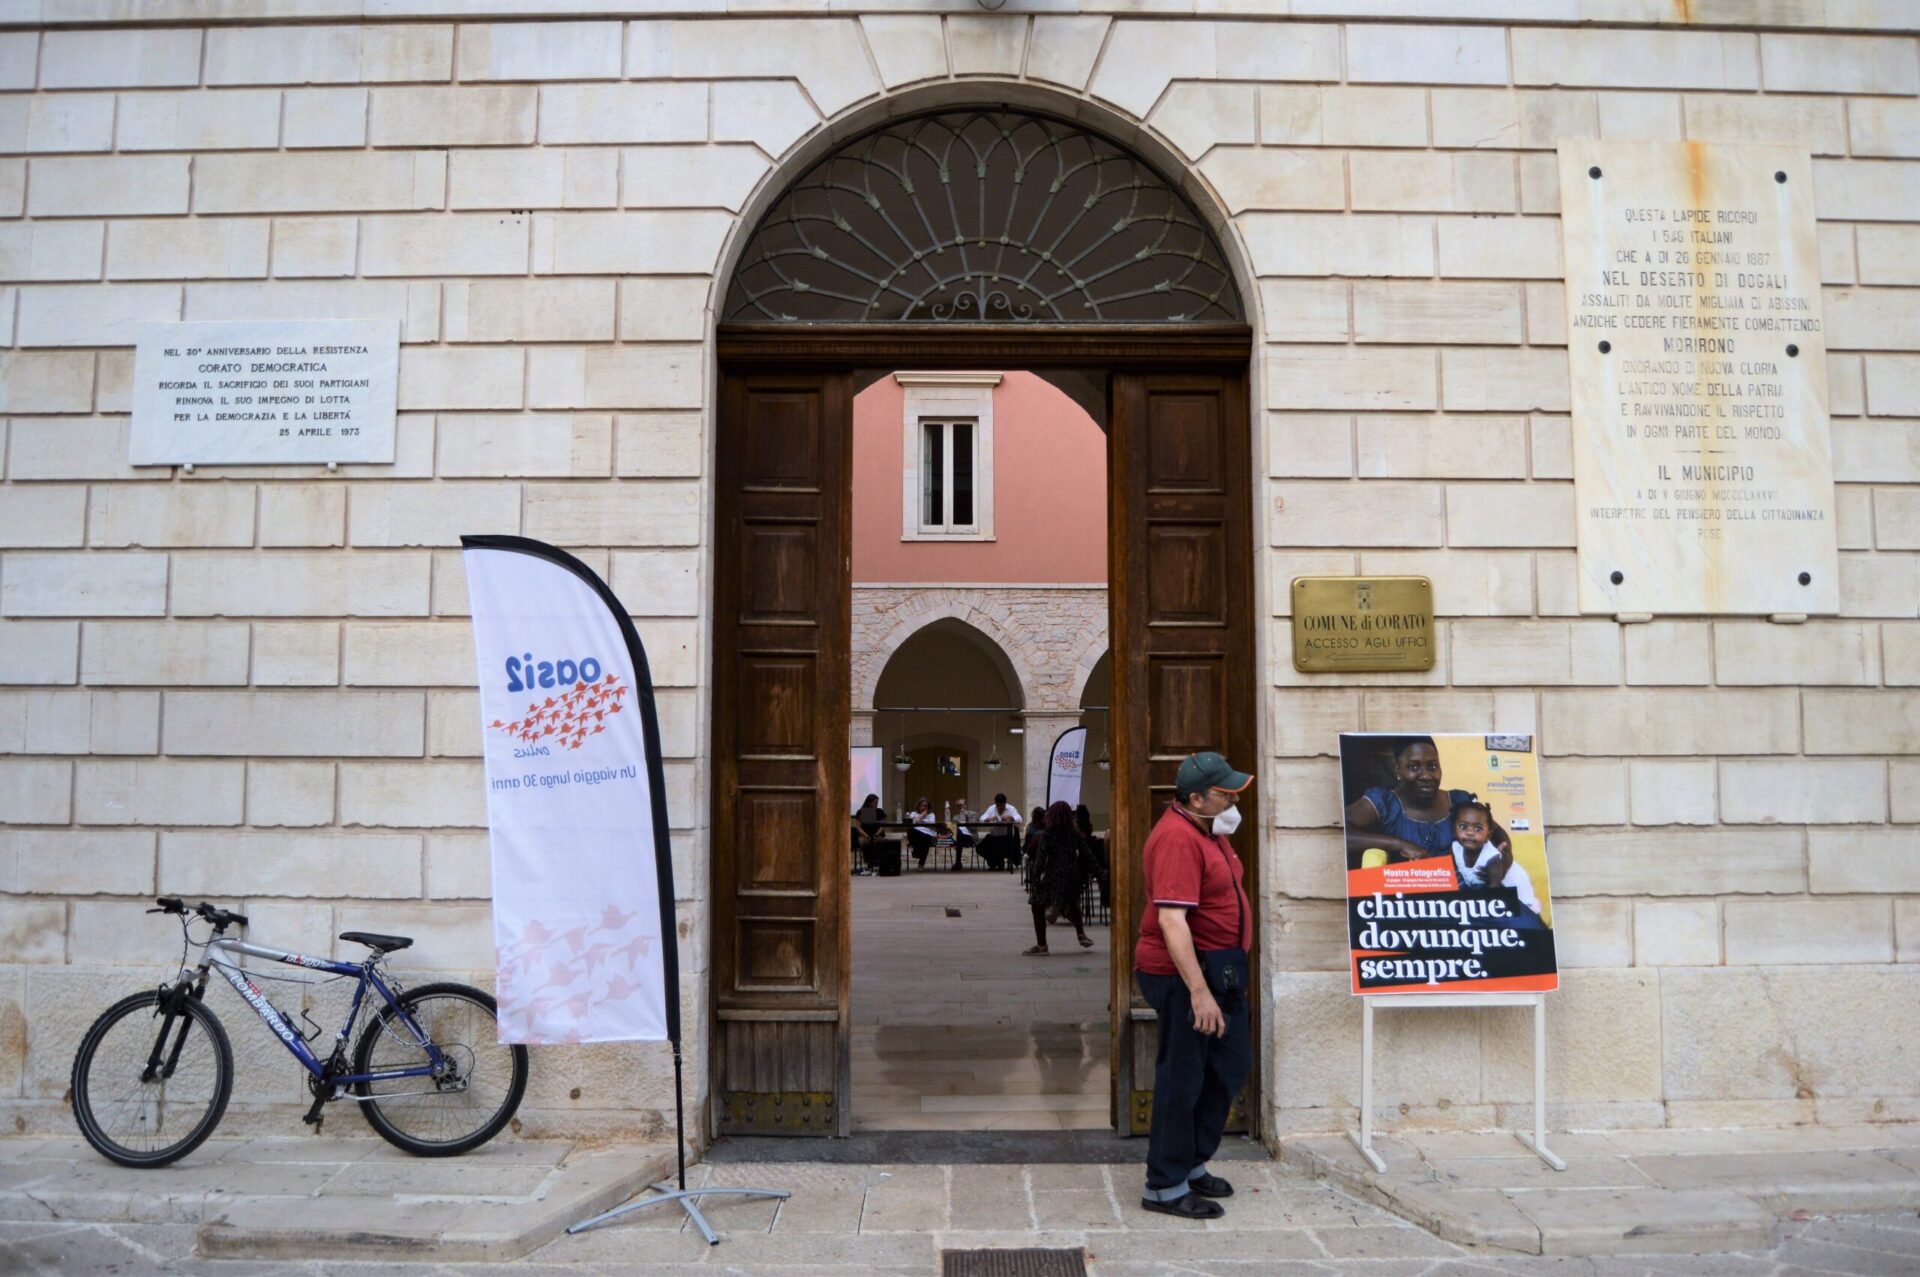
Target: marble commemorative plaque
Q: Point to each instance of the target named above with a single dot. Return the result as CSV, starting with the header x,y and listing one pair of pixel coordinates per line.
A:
x,y
1703,462
265,392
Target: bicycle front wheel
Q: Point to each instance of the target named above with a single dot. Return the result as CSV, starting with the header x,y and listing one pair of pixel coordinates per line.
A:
x,y
152,1079
475,1093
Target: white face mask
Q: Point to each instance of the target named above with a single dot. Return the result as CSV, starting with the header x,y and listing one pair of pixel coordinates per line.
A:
x,y
1227,821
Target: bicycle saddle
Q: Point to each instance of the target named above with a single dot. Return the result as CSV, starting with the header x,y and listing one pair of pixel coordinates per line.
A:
x,y
374,940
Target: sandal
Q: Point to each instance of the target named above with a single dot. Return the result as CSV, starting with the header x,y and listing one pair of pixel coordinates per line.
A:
x,y
1086,942
1036,951
1211,1186
1191,1206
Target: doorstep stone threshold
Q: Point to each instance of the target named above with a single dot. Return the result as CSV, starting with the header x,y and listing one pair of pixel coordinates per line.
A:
x,y
1476,1190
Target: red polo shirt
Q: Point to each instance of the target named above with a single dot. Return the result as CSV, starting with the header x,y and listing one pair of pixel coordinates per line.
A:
x,y
1185,867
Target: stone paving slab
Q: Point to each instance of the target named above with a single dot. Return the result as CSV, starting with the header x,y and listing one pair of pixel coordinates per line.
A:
x,y
1828,1181
1638,1221
1280,1223
1627,1192
334,1198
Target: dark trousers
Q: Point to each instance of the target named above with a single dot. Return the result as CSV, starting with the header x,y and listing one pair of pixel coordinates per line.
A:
x,y
1195,1078
921,844
999,850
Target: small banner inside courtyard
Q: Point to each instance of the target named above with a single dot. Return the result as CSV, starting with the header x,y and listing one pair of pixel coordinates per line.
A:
x,y
1066,767
1446,864
576,809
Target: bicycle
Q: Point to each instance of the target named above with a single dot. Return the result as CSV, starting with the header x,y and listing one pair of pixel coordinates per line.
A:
x,y
160,1062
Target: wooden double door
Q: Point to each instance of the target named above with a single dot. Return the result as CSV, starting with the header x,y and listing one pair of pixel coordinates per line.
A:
x,y
1181,636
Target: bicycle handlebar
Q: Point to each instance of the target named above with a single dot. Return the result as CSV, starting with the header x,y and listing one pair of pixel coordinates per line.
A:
x,y
220,918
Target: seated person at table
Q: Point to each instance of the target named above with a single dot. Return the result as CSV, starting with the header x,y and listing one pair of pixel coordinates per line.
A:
x,y
866,829
925,829
963,833
999,830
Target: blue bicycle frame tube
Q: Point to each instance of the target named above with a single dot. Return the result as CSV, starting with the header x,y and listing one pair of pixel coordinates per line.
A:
x,y
289,1037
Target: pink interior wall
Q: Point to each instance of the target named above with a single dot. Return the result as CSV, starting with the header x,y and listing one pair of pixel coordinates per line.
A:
x,y
1049,495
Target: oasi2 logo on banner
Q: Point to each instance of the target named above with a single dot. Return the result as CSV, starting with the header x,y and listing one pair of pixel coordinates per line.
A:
x,y
567,720
524,674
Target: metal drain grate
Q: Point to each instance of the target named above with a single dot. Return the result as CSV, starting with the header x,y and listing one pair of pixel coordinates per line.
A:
x,y
1032,1261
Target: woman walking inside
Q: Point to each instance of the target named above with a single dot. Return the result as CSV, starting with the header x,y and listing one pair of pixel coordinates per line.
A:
x,y
1059,874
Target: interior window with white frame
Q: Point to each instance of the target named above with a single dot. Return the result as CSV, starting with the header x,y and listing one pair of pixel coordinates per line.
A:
x,y
947,451
947,475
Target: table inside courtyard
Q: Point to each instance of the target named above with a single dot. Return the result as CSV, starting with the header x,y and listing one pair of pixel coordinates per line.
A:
x,y
950,849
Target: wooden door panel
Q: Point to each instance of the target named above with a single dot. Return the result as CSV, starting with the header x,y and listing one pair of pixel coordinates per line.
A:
x,y
1185,451
1179,574
1181,566
779,567
780,684
776,953
1186,702
773,832
776,707
780,441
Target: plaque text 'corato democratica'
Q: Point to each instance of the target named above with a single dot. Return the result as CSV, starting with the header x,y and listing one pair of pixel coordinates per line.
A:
x,y
1703,465
261,393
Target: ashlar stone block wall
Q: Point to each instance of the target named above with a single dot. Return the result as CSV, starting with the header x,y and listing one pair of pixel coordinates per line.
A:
x,y
256,683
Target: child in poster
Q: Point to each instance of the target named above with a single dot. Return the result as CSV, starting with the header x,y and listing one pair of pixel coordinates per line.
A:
x,y
1446,864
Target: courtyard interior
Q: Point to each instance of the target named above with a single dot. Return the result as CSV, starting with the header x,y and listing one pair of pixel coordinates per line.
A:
x,y
953,1029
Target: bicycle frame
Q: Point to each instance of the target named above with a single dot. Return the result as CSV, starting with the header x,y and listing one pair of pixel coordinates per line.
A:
x,y
220,948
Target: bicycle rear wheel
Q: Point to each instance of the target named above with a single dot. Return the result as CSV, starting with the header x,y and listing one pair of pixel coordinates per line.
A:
x,y
476,1094
139,1115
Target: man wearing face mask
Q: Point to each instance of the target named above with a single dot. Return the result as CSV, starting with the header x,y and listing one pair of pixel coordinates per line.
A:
x,y
1191,962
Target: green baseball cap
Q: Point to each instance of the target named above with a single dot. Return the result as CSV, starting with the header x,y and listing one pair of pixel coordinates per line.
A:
x,y
1208,770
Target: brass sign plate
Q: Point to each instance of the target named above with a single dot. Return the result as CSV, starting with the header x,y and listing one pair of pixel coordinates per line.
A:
x,y
1356,623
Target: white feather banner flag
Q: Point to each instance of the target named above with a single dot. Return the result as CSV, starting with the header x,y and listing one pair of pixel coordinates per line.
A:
x,y
576,810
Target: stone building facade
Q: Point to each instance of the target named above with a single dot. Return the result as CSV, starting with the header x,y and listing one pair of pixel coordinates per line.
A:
x,y
256,684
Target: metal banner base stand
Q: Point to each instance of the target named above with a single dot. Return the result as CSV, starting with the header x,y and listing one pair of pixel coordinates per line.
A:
x,y
1363,1138
685,1196
668,1190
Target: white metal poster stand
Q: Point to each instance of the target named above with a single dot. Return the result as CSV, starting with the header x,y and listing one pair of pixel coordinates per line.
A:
x,y
1363,1139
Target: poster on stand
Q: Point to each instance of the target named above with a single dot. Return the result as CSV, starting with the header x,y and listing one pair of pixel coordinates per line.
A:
x,y
576,803
1446,864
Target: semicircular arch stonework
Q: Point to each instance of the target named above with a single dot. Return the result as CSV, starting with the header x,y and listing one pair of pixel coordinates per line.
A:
x,y
995,625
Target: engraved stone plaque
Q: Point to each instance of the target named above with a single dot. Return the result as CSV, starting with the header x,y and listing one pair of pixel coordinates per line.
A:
x,y
1703,463
263,393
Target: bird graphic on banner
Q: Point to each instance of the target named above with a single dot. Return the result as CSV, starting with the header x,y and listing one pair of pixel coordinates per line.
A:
x,y
570,719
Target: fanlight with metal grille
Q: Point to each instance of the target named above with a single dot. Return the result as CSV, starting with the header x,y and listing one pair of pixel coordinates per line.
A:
x,y
982,216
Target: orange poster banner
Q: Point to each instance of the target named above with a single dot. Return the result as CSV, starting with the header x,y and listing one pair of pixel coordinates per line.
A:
x,y
1446,864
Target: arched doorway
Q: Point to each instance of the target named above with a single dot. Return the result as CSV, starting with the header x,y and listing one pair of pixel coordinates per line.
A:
x,y
976,239
947,691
